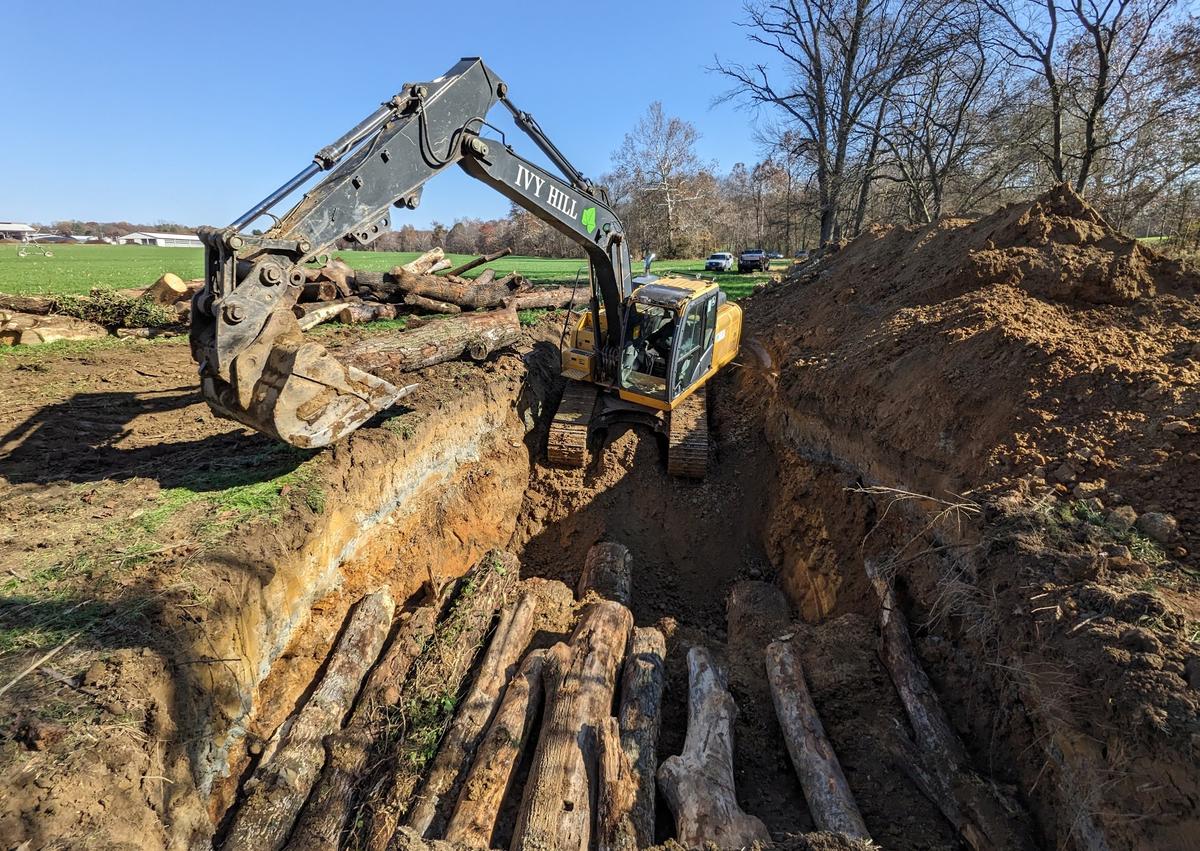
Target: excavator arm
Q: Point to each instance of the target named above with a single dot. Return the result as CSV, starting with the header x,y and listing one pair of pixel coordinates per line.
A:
x,y
255,365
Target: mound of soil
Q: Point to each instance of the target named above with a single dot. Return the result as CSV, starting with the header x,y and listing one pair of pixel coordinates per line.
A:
x,y
1026,387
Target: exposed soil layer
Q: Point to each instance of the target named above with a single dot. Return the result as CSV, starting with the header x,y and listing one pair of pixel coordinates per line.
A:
x,y
980,408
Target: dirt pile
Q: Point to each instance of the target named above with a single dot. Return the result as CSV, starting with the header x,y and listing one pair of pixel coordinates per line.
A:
x,y
1036,376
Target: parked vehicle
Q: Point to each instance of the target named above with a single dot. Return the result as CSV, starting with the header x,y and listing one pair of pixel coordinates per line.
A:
x,y
754,260
721,261
774,255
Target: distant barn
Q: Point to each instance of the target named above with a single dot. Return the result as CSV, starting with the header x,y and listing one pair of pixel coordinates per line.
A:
x,y
174,240
15,230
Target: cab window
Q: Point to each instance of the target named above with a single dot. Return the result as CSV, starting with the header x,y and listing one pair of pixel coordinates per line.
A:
x,y
695,342
649,338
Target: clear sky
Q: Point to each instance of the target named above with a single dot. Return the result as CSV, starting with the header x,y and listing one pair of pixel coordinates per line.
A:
x,y
192,111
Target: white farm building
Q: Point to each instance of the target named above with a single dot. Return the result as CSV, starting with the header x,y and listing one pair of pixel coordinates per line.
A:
x,y
15,230
173,240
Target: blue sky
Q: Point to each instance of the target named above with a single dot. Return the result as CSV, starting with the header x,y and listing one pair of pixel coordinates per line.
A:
x,y
190,112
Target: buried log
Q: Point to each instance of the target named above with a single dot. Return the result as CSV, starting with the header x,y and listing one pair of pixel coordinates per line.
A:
x,y
279,788
491,775
983,816
428,697
429,813
28,329
580,678
430,305
38,304
830,801
359,314
475,334
616,794
698,784
640,714
555,297
607,570
328,808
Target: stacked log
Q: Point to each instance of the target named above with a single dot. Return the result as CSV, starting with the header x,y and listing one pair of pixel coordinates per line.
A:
x,y
580,679
830,801
698,784
328,808
429,812
475,334
279,788
431,692
937,761
631,826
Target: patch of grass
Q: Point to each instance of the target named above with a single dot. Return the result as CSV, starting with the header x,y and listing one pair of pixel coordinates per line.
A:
x,y
531,317
75,269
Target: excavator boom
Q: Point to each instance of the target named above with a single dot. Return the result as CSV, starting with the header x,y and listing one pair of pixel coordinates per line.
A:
x,y
255,365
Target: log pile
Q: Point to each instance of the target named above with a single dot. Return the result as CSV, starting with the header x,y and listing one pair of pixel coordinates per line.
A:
x,y
430,749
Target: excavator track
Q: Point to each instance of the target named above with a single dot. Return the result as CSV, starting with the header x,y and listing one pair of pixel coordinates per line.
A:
x,y
567,445
687,436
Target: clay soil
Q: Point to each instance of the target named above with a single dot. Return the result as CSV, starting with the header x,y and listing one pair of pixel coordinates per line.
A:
x,y
964,404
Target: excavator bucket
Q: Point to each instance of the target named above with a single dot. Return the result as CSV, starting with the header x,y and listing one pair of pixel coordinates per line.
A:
x,y
295,390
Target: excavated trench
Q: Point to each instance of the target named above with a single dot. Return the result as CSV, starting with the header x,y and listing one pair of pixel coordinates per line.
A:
x,y
420,499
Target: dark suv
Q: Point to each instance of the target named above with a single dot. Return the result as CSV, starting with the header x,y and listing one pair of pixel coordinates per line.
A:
x,y
754,260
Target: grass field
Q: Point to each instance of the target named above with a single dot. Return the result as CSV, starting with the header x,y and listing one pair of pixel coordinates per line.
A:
x,y
78,268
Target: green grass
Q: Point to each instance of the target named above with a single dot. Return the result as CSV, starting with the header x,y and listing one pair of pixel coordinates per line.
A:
x,y
76,269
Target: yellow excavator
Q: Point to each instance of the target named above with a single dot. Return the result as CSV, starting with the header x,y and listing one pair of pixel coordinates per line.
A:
x,y
642,351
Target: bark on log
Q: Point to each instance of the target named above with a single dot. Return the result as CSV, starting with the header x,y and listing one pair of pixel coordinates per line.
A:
x,y
490,778
422,303
38,304
830,801
314,315
282,785
556,297
475,294
429,812
608,571
698,784
436,680
982,815
580,677
485,277
328,808
336,272
424,263
475,334
618,789
479,261
640,716
146,333
359,314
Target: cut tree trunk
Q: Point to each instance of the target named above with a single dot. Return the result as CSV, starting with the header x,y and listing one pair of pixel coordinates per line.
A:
x,y
281,786
429,812
465,293
550,297
359,314
479,261
319,291
425,262
640,716
475,334
324,816
618,789
580,677
495,766
830,801
698,784
428,698
607,570
983,816
170,288
428,304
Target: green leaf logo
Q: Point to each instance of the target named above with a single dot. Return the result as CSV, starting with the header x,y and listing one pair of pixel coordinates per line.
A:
x,y
589,219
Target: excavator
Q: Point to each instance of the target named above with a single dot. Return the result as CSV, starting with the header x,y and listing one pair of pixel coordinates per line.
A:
x,y
641,351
